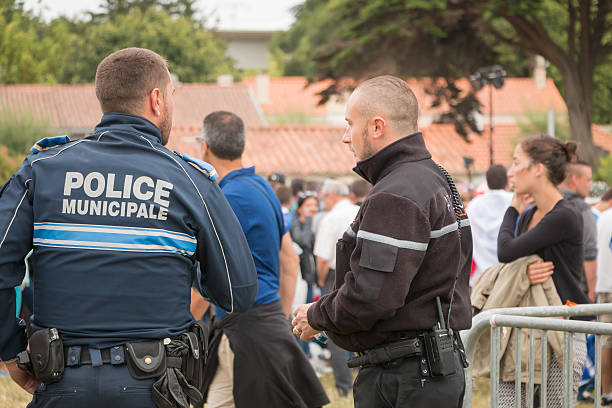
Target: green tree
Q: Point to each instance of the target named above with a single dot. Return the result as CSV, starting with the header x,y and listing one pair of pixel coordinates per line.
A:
x,y
193,53
9,164
604,172
20,129
452,38
31,51
115,8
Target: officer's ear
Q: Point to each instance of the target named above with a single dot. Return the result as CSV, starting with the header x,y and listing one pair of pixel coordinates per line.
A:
x,y
203,149
156,102
379,125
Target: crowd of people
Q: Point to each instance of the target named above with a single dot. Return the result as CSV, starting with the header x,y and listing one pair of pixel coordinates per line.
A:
x,y
199,281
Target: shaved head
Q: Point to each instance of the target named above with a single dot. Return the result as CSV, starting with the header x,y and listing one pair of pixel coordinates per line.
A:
x,y
390,97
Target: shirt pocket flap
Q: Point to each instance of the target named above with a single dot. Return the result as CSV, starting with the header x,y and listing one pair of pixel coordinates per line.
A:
x,y
378,256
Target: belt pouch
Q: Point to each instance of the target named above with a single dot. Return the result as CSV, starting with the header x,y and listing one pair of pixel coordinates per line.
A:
x,y
195,362
146,359
47,355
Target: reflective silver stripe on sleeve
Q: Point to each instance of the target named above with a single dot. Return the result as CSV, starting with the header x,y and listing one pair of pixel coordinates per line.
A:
x,y
449,228
417,246
13,219
350,232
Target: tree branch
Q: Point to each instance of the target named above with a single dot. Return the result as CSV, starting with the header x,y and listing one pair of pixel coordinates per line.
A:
x,y
600,27
488,27
533,32
585,33
571,31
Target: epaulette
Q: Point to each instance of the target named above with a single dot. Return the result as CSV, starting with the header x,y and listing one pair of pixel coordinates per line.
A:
x,y
207,168
48,143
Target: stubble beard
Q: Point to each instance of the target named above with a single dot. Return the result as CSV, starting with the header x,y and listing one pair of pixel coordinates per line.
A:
x,y
165,125
368,150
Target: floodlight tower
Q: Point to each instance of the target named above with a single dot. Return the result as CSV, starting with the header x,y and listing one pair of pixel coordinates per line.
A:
x,y
494,76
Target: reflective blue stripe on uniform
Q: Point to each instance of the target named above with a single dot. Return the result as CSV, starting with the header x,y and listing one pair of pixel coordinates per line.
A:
x,y
113,238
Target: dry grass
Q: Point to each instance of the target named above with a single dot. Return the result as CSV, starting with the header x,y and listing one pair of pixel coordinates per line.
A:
x,y
480,395
11,396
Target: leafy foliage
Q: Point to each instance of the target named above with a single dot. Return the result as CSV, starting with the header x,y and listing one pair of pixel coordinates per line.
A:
x,y
537,124
68,51
114,8
8,164
192,53
19,130
604,172
451,39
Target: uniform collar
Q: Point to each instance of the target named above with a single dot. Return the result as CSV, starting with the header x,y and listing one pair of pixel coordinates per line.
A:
x,y
407,149
125,121
245,171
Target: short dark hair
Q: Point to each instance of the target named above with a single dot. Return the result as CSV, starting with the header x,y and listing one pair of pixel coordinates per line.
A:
x,y
552,153
297,185
223,132
393,97
573,168
607,195
284,194
126,77
360,188
497,177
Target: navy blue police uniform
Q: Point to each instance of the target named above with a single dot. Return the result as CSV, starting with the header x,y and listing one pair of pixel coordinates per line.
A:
x,y
118,224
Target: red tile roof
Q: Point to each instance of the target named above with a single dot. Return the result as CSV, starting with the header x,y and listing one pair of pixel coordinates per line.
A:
x,y
291,149
318,150
76,106
517,97
292,95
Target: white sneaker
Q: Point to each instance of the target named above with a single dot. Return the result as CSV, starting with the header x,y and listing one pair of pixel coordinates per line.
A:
x,y
320,366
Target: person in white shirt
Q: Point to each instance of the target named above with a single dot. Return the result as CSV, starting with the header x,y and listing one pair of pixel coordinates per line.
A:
x,y
603,287
486,213
604,203
340,216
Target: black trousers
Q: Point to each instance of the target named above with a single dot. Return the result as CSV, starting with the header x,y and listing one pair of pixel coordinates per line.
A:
x,y
404,386
95,387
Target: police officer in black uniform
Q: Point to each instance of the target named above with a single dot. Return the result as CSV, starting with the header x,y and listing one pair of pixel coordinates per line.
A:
x,y
118,224
400,265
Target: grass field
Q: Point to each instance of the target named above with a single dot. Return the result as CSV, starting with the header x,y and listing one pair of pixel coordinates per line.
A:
x,y
12,396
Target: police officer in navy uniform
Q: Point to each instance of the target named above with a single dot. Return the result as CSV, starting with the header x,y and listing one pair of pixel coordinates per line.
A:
x,y
118,224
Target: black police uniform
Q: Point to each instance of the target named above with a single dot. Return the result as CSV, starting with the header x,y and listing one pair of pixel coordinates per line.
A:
x,y
409,242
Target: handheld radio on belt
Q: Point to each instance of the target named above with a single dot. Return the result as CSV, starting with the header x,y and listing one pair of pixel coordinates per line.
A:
x,y
439,345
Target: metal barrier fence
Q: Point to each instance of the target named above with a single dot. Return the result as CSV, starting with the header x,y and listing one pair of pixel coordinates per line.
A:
x,y
535,318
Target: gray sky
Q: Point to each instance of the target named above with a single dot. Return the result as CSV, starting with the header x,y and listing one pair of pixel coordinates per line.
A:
x,y
224,14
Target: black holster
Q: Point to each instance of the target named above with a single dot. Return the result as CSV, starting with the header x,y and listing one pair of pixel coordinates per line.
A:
x,y
181,383
388,353
45,360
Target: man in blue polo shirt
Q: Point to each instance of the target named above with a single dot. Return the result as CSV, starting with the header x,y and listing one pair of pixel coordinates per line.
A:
x,y
257,345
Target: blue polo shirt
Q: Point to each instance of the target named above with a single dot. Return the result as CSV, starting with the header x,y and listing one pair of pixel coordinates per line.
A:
x,y
259,213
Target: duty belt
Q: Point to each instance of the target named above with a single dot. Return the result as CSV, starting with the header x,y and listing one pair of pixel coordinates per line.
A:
x,y
83,355
388,352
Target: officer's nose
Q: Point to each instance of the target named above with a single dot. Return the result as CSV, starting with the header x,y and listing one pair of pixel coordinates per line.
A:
x,y
346,137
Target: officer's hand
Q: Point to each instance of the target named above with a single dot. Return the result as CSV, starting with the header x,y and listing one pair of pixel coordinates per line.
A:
x,y
539,271
21,377
301,328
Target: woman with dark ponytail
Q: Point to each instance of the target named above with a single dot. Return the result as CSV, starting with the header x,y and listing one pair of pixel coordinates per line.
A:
x,y
552,229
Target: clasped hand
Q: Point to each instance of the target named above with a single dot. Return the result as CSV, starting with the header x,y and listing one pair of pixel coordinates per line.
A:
x,y
539,271
301,328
